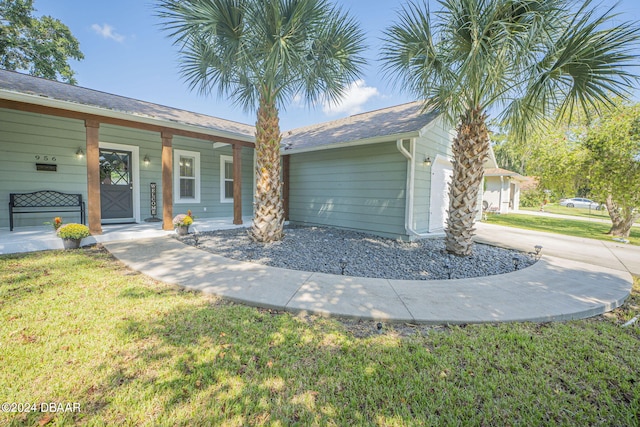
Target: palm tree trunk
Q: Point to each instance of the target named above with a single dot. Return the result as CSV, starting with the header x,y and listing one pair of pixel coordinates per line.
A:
x,y
268,218
470,150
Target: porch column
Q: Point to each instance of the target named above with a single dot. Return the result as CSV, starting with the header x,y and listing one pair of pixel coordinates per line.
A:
x,y
237,184
93,176
167,181
285,185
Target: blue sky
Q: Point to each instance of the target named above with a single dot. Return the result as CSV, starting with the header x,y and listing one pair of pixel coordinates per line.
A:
x,y
126,53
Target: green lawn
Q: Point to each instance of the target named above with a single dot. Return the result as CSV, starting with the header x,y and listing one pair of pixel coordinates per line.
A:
x,y
563,210
569,227
77,327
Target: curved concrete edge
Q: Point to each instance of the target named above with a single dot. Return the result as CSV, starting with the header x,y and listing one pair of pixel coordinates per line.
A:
x,y
553,289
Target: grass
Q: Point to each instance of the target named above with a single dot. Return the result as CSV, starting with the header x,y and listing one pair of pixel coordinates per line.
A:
x,y
563,210
569,227
77,327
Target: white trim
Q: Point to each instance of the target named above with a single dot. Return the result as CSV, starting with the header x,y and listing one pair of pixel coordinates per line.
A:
x,y
445,164
135,176
176,176
223,160
375,140
410,155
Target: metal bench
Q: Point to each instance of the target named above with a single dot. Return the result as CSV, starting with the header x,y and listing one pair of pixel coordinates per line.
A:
x,y
44,202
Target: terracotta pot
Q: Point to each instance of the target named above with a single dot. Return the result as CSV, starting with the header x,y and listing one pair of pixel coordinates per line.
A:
x,y
71,243
182,230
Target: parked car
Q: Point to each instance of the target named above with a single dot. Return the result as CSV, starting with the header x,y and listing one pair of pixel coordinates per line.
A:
x,y
578,202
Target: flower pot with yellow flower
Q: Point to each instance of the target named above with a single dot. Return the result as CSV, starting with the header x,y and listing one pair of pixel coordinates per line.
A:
x,y
182,222
72,235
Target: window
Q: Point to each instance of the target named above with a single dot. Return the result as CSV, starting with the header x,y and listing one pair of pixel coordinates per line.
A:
x,y
186,168
226,179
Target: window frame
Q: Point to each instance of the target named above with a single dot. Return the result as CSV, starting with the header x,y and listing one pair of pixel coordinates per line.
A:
x,y
177,154
223,180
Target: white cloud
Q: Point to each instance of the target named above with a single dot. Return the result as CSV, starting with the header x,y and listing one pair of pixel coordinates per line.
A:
x,y
356,95
107,31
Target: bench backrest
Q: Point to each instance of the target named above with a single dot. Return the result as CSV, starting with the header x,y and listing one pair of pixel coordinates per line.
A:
x,y
44,198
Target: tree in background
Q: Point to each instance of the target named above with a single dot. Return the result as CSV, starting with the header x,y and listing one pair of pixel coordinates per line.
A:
x,y
555,155
598,158
528,58
612,147
41,46
262,54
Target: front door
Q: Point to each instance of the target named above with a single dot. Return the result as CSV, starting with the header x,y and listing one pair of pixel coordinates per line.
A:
x,y
116,186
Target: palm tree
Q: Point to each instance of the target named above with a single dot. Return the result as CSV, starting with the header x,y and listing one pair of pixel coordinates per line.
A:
x,y
262,54
529,59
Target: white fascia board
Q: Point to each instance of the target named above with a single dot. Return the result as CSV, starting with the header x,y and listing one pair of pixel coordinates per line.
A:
x,y
89,109
376,140
422,132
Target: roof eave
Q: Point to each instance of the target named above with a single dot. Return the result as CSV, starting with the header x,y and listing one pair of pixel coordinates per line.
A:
x,y
104,112
366,141
375,140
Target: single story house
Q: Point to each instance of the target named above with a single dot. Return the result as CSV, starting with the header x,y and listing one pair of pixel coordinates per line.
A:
x,y
384,172
501,190
129,159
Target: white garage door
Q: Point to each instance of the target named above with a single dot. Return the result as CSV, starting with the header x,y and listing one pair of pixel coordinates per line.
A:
x,y
441,173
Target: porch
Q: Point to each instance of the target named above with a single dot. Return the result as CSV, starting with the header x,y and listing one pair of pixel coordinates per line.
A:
x,y
41,238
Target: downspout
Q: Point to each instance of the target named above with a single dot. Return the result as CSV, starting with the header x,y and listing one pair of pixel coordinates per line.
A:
x,y
500,194
410,187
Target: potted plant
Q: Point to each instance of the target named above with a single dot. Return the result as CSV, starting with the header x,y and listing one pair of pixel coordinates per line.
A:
x,y
182,222
56,223
72,234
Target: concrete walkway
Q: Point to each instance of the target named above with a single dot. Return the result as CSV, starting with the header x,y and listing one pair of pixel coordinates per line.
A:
x,y
552,289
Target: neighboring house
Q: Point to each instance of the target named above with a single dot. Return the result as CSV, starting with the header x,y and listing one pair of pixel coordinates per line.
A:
x,y
501,190
384,172
111,149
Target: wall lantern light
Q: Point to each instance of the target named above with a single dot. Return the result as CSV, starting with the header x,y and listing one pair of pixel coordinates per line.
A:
x,y
427,161
79,153
147,160
343,264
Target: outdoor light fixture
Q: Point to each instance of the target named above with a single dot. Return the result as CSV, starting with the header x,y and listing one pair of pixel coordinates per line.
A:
x,y
80,153
538,248
379,327
146,160
343,265
195,234
427,161
448,267
516,262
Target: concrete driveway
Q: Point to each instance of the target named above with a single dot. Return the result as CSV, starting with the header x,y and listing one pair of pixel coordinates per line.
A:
x,y
618,256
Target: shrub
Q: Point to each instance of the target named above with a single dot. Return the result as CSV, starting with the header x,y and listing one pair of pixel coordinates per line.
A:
x,y
532,198
73,231
182,220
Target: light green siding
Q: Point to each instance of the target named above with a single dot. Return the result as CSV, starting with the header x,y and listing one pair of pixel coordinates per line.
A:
x,y
360,188
25,136
435,141
210,180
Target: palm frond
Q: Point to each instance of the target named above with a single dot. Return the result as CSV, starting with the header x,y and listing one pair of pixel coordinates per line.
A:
x,y
275,49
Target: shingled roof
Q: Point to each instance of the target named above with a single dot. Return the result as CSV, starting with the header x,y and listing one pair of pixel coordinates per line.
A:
x,y
24,84
393,121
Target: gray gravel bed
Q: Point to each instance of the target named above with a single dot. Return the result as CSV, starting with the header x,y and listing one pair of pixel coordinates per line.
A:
x,y
320,249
